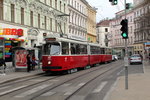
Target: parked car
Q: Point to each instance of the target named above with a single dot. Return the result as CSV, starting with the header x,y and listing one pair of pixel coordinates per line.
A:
x,y
114,57
136,58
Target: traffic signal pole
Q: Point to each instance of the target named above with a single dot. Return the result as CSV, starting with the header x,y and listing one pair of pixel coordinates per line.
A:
x,y
124,34
126,61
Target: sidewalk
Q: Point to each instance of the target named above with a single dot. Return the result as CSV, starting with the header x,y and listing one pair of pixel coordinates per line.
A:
x,y
138,86
12,75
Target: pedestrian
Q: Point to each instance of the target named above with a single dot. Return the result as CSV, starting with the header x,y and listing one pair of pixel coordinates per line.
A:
x,y
33,62
2,63
29,63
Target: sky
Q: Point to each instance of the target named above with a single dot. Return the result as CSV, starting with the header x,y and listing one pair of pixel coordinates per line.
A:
x,y
105,9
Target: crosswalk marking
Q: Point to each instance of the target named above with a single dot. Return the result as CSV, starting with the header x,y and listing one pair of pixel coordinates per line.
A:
x,y
65,85
48,93
100,87
5,92
81,84
74,89
32,90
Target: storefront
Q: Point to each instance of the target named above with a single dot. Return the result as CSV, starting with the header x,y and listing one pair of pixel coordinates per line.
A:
x,y
10,38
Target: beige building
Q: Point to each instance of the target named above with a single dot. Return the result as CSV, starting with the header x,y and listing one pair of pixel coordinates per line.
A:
x,y
91,24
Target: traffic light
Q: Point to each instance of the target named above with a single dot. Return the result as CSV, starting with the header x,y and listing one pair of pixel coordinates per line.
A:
x,y
114,2
124,28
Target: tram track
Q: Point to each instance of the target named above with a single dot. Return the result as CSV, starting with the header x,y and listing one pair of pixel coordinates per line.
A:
x,y
57,85
67,98
91,80
17,80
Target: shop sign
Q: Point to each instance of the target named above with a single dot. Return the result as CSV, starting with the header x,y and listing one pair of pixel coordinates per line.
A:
x,y
11,31
147,45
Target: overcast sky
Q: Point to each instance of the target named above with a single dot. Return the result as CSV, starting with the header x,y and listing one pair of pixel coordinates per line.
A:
x,y
105,9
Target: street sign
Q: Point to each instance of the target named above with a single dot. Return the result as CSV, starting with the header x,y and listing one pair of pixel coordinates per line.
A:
x,y
126,61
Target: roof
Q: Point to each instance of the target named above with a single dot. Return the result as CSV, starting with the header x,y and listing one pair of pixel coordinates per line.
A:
x,y
103,23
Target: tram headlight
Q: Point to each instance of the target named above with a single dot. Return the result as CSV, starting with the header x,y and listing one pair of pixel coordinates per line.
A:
x,y
49,62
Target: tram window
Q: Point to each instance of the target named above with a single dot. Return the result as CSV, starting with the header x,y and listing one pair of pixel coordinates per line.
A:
x,y
78,49
55,49
102,50
95,50
65,48
83,49
73,49
52,49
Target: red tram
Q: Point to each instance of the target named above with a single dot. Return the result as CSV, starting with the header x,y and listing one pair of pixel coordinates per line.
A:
x,y
61,54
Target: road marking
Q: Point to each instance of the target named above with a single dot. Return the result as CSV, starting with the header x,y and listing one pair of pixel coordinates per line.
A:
x,y
29,92
5,92
48,93
111,89
74,89
120,72
100,87
54,80
65,85
81,84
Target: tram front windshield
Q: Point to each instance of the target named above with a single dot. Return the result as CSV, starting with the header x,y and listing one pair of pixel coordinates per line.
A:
x,y
51,49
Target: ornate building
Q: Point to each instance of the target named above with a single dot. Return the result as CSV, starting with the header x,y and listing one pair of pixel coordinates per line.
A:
x,y
23,22
78,19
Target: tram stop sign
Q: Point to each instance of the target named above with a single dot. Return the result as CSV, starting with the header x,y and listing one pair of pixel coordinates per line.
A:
x,y
126,61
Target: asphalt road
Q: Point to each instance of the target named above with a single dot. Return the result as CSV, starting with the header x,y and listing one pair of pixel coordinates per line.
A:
x,y
91,84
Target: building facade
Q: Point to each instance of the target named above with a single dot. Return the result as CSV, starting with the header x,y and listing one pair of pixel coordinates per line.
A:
x,y
77,20
91,24
102,30
116,41
142,26
23,23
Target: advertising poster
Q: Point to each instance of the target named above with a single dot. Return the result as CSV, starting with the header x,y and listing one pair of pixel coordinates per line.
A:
x,y
20,58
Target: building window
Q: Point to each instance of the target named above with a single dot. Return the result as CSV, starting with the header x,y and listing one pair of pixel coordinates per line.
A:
x,y
12,13
55,4
51,24
45,22
56,25
38,20
64,28
64,8
1,9
50,2
106,29
31,18
22,15
60,5
75,5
